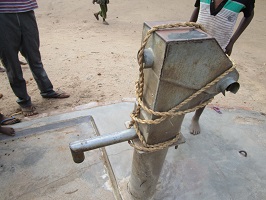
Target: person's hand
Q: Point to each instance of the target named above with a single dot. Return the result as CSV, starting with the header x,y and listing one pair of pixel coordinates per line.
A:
x,y
229,48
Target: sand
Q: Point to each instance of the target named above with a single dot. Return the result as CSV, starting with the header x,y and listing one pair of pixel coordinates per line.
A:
x,y
97,63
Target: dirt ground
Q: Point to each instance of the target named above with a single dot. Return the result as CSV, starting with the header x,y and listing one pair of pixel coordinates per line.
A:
x,y
97,63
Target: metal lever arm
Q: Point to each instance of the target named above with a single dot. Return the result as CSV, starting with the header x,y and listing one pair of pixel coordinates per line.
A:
x,y
79,147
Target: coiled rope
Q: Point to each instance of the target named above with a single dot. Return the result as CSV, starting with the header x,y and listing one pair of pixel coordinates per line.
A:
x,y
135,115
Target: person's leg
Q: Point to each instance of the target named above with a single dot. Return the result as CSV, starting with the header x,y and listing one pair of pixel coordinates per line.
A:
x,y
96,15
10,40
194,126
30,50
104,13
105,10
101,11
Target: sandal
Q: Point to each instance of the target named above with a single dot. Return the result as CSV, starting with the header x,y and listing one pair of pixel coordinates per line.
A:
x,y
58,95
29,111
9,121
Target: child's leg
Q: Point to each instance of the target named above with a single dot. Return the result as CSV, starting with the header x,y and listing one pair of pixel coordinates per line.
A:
x,y
194,126
103,12
96,15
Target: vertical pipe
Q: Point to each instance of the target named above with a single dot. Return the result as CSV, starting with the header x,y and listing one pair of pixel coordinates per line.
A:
x,y
146,169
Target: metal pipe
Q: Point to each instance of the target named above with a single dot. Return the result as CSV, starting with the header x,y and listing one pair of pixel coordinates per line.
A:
x,y
79,147
146,169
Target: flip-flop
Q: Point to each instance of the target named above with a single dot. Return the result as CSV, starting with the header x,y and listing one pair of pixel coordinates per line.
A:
x,y
58,95
10,121
217,109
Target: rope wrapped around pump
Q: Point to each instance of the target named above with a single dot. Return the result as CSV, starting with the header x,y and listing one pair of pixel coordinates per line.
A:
x,y
172,112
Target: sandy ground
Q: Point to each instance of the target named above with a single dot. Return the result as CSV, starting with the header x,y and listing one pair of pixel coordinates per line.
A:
x,y
97,63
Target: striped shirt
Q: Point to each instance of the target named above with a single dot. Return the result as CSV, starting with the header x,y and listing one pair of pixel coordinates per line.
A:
x,y
220,22
17,6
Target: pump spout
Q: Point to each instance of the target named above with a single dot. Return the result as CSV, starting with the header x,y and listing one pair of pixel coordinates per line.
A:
x,y
229,83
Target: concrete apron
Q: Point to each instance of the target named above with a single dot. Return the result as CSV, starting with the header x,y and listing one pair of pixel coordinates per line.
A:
x,y
37,163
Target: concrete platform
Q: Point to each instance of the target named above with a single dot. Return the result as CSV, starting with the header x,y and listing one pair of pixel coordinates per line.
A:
x,y
37,163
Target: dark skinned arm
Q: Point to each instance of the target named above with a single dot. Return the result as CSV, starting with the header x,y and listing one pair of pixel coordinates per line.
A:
x,y
240,29
194,15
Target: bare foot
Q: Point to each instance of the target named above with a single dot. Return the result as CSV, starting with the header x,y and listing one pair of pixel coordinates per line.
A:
x,y
194,127
7,131
29,111
96,16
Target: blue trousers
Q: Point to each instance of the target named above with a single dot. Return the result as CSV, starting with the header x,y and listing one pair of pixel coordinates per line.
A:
x,y
19,32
